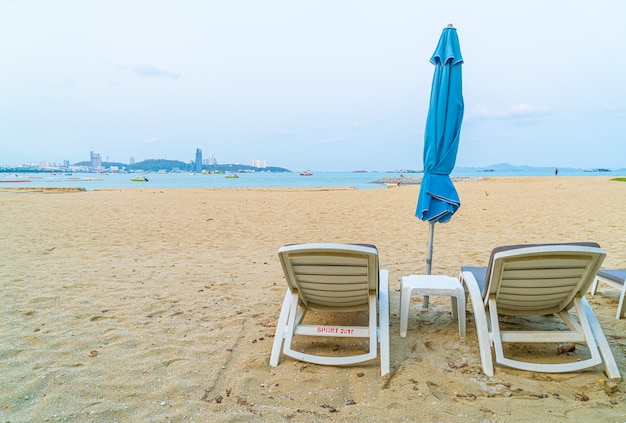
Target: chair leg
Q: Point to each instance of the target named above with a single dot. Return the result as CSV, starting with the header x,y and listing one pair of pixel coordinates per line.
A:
x,y
620,305
405,303
610,366
454,308
460,309
480,316
383,311
279,337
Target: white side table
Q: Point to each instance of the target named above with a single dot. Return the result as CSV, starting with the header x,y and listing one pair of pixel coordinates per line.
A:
x,y
432,285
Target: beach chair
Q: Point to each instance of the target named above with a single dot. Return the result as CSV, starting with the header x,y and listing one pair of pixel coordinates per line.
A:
x,y
616,279
538,280
337,278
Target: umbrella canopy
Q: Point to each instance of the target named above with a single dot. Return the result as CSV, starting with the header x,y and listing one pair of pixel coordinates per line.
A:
x,y
438,199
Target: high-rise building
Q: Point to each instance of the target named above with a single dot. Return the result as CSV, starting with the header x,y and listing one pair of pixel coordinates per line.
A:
x,y
96,160
198,164
211,161
259,163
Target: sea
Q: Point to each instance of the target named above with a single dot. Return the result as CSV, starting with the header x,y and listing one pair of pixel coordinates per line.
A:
x,y
358,180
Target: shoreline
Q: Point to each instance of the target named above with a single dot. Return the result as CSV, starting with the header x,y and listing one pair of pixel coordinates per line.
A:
x,y
389,181
361,181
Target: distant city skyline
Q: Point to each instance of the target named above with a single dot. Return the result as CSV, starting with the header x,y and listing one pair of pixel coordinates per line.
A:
x,y
96,162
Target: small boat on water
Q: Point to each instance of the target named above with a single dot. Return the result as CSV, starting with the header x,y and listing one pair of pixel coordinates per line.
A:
x,y
139,179
232,176
307,173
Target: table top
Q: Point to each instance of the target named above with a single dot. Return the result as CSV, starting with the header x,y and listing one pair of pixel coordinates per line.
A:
x,y
431,281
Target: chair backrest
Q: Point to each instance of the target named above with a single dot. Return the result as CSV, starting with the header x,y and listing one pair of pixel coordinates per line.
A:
x,y
331,276
540,279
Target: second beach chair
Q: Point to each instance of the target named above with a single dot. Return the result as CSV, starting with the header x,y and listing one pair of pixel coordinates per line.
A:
x,y
337,278
538,280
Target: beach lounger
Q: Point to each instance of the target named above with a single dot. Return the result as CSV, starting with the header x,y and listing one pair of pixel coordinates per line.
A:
x,y
538,280
616,279
337,278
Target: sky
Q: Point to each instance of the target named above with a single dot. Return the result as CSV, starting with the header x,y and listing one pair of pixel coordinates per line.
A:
x,y
328,85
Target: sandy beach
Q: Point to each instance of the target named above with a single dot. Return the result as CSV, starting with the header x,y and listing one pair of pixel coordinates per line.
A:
x,y
161,304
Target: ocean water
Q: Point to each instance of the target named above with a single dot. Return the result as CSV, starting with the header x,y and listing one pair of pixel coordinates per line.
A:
x,y
358,180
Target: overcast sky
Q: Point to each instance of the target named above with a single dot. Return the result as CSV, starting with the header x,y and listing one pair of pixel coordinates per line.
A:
x,y
303,84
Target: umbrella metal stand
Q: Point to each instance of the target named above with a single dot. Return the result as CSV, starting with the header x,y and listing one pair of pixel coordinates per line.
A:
x,y
429,258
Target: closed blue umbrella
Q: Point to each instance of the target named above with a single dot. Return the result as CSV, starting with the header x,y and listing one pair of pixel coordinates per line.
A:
x,y
438,199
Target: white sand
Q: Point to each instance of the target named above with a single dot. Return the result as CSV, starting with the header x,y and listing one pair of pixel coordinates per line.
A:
x,y
160,305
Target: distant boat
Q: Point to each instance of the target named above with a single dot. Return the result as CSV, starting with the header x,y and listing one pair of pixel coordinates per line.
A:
x,y
139,179
359,171
232,176
307,173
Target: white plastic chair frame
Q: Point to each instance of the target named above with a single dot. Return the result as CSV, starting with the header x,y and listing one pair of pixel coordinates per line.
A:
x,y
513,273
337,278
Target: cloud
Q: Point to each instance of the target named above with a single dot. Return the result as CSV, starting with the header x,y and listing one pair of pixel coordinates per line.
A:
x,y
153,71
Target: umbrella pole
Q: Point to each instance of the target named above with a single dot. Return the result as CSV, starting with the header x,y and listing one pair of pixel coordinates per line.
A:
x,y
429,258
